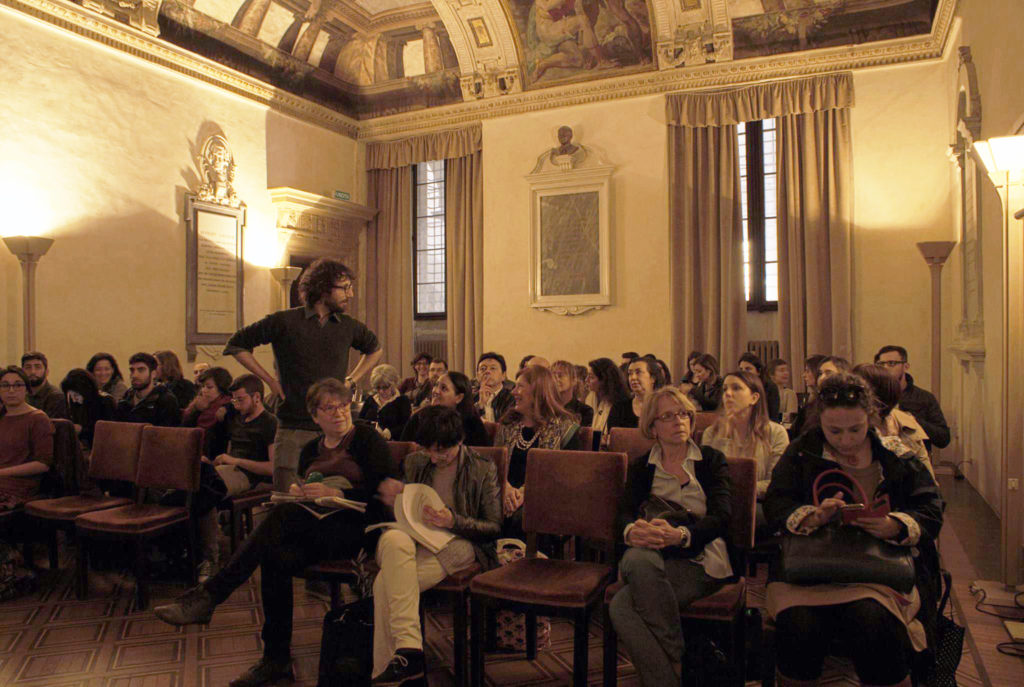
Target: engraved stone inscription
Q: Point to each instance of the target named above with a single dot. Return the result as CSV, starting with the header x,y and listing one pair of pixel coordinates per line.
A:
x,y
217,273
570,257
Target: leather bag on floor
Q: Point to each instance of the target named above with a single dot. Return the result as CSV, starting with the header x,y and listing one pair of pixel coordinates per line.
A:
x,y
346,646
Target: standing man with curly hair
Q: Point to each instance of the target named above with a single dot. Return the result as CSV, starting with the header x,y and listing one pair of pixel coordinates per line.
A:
x,y
310,342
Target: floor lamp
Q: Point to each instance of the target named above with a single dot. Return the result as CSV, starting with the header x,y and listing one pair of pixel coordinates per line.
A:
x,y
285,276
28,250
1003,158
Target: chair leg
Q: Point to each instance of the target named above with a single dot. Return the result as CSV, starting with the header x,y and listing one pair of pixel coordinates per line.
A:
x,y
236,529
459,638
54,551
141,595
193,551
477,612
768,657
738,654
610,650
531,635
580,648
81,567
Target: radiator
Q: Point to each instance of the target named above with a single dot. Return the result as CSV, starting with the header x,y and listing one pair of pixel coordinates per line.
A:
x,y
767,351
434,347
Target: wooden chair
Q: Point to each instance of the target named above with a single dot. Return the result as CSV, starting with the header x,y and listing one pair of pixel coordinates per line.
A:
x,y
169,458
115,456
703,420
566,496
728,604
492,431
585,438
241,506
629,440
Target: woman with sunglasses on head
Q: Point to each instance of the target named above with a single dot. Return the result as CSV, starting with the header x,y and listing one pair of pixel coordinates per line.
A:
x,y
674,515
886,633
386,408
26,440
743,430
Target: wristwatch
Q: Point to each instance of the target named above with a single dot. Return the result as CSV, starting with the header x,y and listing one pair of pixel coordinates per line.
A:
x,y
684,541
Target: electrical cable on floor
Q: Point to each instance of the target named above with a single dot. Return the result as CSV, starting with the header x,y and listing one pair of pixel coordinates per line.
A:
x,y
1013,647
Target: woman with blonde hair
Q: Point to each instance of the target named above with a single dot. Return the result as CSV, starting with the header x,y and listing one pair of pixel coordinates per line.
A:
x,y
536,420
387,409
674,518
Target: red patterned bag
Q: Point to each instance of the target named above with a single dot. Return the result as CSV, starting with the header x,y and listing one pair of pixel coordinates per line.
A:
x,y
512,625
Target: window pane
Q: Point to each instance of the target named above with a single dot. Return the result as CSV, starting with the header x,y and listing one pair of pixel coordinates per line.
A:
x,y
429,238
771,240
770,195
430,298
435,199
771,281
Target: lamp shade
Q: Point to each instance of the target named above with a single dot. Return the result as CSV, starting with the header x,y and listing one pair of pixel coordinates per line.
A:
x,y
1001,154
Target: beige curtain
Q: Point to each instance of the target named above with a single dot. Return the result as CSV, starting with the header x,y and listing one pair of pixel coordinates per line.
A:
x,y
705,241
815,214
389,257
464,267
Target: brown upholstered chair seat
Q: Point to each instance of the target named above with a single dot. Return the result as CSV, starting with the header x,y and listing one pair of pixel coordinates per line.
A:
x,y
252,498
544,581
136,518
336,568
722,605
70,507
459,578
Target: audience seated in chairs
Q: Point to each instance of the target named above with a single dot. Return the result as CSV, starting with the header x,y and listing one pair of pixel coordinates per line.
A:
x,y
468,486
417,387
493,397
707,385
610,399
452,390
918,402
437,368
147,401
750,362
103,367
687,383
168,373
812,370
564,374
744,431
386,408
675,514
898,429
86,403
209,410
644,376
41,394
354,459
537,420
882,631
26,441
789,404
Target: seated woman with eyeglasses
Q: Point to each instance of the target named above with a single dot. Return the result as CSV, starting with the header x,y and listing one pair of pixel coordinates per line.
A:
x,y
386,408
675,514
352,460
26,441
881,630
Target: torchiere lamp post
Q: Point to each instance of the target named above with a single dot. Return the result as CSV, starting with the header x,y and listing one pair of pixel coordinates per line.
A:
x,y
28,250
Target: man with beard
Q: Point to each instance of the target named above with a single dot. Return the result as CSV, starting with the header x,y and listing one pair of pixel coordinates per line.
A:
x,y
147,401
41,394
310,343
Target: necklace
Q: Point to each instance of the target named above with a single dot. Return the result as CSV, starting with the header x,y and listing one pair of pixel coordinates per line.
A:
x,y
521,443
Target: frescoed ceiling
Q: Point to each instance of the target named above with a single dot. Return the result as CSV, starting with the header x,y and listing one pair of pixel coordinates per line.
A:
x,y
368,58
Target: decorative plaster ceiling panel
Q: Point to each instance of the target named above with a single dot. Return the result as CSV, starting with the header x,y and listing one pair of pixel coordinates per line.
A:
x,y
378,6
222,10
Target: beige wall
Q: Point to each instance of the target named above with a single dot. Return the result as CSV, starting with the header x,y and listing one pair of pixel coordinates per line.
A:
x,y
97,152
632,136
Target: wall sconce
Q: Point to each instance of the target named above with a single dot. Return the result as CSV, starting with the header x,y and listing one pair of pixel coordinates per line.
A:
x,y
285,276
28,250
1003,158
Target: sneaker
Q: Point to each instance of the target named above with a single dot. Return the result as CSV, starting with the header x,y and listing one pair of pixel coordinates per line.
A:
x,y
206,570
194,607
406,665
264,672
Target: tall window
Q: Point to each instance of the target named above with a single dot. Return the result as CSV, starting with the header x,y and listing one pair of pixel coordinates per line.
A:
x,y
760,228
428,240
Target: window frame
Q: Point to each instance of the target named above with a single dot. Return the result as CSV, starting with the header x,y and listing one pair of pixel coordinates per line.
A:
x,y
416,314
754,141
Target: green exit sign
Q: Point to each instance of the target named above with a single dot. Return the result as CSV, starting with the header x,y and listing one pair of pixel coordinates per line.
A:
x,y
343,195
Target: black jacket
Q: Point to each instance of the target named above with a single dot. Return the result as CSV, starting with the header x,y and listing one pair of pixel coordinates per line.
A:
x,y
392,416
713,474
707,397
925,409
472,426
502,402
905,479
159,408
582,411
774,401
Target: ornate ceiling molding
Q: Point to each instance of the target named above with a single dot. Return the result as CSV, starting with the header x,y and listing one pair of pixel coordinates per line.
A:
x,y
135,42
481,34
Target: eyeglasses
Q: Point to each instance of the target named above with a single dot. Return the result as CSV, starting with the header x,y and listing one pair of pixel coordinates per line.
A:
x,y
350,287
674,415
239,399
890,363
383,387
335,409
5,386
848,394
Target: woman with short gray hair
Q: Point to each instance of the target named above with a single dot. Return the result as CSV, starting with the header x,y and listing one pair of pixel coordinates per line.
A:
x,y
387,409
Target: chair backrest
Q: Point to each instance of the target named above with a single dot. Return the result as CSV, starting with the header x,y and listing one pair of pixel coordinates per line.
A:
x,y
573,492
629,440
743,476
65,475
499,456
399,450
585,438
169,458
115,450
492,431
703,420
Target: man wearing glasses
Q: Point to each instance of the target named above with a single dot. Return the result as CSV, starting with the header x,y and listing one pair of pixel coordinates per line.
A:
x,y
915,400
310,343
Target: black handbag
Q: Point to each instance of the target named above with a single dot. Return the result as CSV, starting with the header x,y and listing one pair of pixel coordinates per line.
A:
x,y
949,641
346,646
843,554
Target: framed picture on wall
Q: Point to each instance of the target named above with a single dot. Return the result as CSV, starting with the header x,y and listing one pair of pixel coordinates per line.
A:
x,y
214,272
570,254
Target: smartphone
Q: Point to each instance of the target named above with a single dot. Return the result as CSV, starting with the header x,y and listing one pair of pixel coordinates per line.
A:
x,y
852,506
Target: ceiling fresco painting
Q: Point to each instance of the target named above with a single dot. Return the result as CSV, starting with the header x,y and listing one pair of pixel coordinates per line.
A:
x,y
581,39
370,58
769,27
